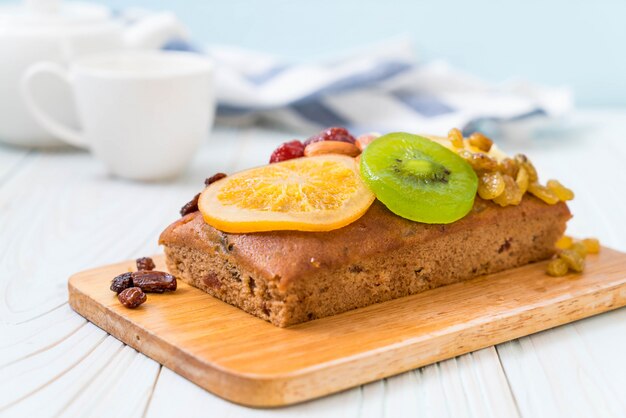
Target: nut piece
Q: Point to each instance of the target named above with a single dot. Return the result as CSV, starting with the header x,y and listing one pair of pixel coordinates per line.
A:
x,y
191,206
122,282
331,147
145,263
132,297
364,140
154,281
215,177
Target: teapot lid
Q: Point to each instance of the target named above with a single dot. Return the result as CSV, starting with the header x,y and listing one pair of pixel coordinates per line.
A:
x,y
52,12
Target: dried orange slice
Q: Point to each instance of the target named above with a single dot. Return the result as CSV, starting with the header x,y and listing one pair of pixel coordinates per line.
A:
x,y
319,193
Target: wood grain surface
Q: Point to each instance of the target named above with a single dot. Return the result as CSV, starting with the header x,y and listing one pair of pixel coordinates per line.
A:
x,y
249,361
61,213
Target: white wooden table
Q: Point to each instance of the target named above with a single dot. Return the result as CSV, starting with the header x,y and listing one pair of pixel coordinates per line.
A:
x,y
60,213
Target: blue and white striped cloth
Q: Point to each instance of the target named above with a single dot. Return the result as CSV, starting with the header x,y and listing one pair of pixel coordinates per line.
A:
x,y
382,88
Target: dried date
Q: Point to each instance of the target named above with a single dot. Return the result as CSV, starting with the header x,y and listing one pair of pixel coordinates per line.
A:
x,y
154,281
145,263
132,297
122,282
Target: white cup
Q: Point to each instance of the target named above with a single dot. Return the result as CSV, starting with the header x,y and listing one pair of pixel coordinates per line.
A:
x,y
143,114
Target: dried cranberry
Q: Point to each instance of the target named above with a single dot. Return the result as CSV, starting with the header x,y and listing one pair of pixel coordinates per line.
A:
x,y
215,177
287,151
331,134
191,206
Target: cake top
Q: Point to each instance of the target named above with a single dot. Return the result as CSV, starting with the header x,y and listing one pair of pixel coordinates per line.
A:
x,y
330,180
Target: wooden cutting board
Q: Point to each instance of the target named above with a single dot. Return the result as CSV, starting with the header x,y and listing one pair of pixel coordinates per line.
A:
x,y
249,361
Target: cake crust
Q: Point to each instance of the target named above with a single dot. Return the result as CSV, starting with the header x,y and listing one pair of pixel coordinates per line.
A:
x,y
288,277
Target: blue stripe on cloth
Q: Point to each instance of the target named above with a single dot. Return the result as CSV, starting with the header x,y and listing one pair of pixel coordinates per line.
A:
x,y
381,72
229,110
536,112
423,104
317,112
478,124
180,45
264,77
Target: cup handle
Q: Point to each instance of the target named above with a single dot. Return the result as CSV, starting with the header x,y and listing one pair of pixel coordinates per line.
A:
x,y
70,135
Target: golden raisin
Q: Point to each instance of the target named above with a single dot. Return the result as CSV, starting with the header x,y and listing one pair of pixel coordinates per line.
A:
x,y
562,192
564,242
522,180
511,194
509,167
543,193
523,161
580,248
456,137
490,185
557,267
592,245
479,161
480,141
575,261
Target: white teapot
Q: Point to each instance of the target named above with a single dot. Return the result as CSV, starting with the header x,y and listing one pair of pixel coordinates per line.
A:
x,y
51,30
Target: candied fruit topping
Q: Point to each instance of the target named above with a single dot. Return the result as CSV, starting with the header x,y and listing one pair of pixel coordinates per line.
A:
x,y
574,260
580,248
287,151
512,194
331,134
456,137
523,161
491,185
557,267
509,167
522,180
592,245
564,242
502,179
573,254
543,193
479,161
562,192
480,141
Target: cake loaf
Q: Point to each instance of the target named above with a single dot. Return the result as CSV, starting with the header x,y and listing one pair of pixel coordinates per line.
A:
x,y
288,277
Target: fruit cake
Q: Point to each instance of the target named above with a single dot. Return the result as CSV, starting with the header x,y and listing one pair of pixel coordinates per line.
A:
x,y
318,232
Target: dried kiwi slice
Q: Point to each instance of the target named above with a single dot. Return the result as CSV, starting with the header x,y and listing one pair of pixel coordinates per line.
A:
x,y
419,179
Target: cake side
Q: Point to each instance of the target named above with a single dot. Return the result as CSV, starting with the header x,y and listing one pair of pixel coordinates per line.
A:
x,y
290,277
